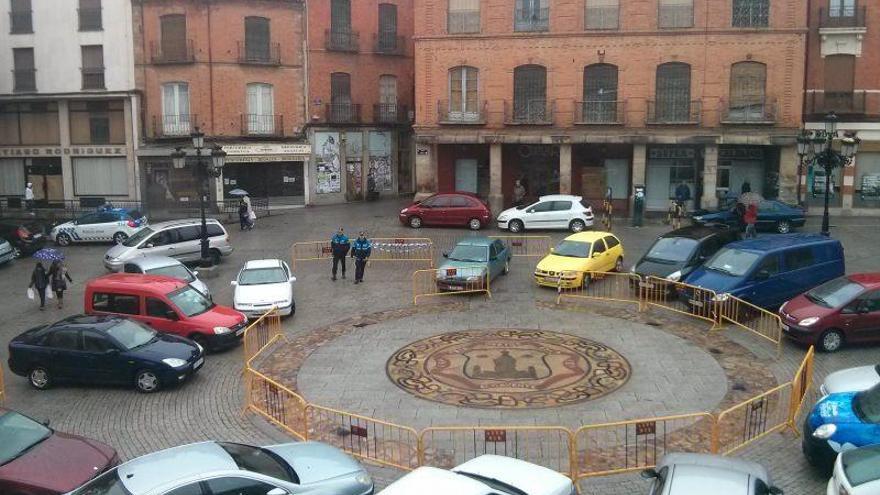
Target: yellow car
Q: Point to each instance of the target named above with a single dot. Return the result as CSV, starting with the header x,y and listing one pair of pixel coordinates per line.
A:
x,y
583,252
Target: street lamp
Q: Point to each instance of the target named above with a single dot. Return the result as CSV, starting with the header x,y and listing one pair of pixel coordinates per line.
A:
x,y
204,169
805,152
817,147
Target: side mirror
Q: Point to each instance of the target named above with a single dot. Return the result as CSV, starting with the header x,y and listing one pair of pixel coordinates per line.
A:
x,y
552,250
195,273
762,275
171,315
445,255
649,474
148,245
46,423
233,283
292,279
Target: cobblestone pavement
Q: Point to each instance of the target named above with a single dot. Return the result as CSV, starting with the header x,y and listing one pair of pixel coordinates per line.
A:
x,y
209,406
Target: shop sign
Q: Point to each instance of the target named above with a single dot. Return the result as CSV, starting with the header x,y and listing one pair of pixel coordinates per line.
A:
x,y
43,151
741,153
671,153
267,149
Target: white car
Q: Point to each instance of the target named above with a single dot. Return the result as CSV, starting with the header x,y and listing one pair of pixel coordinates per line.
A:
x,y
262,284
856,472
109,224
485,475
691,474
851,380
558,211
7,254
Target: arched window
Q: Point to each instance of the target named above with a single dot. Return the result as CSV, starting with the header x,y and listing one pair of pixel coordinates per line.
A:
x,y
176,119
261,109
748,81
673,92
463,93
341,109
530,94
600,94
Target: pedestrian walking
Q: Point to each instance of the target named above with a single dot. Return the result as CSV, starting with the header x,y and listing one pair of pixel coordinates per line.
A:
x,y
519,193
243,214
29,196
360,251
746,187
682,195
339,247
251,215
39,282
751,218
58,278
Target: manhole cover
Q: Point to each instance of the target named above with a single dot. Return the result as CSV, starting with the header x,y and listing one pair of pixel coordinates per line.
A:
x,y
508,368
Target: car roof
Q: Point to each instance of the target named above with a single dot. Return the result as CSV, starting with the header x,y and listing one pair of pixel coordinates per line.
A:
x,y
860,465
869,280
457,193
130,281
146,473
560,197
696,232
151,261
435,481
526,476
93,322
476,240
688,479
267,263
182,222
713,467
780,242
588,236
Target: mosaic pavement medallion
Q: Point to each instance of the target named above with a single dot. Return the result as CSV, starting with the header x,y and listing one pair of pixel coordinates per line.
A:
x,y
508,369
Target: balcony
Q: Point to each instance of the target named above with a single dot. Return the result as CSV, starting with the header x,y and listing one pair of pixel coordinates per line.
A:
x,y
471,116
845,17
749,112
848,105
25,79
259,53
182,53
674,112
170,126
842,31
530,112
463,22
342,113
389,44
262,125
532,20
390,113
599,112
341,41
92,78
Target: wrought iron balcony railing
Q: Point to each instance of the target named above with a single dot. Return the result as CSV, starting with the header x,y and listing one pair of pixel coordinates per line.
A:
x,y
182,53
390,113
853,16
341,41
447,115
389,44
599,112
24,79
343,113
178,125
529,112
259,53
674,111
253,124
749,111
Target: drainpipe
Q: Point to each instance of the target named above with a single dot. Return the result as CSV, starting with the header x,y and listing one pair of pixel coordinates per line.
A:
x,y
305,55
211,73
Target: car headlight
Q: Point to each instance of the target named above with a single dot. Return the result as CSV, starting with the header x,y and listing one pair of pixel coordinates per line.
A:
x,y
404,210
474,278
502,218
174,362
201,349
364,479
632,269
674,276
808,321
825,431
697,218
721,297
221,330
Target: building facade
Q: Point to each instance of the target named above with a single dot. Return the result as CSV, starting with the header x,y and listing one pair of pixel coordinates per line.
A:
x,y
592,97
234,69
68,106
843,76
360,98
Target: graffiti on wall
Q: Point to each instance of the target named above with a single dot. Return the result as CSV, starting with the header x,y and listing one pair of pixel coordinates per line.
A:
x,y
329,171
381,165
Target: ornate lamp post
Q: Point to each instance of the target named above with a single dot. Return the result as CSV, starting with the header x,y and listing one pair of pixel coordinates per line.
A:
x,y
203,169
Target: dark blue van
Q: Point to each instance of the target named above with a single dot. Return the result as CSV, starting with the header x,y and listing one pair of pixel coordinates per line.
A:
x,y
768,271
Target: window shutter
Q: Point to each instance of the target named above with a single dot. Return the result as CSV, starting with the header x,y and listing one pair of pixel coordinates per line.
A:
x,y
471,89
93,57
340,16
256,38
388,18
530,92
388,90
173,34
340,87
673,91
253,99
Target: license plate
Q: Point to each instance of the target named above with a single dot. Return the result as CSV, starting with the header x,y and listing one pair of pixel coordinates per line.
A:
x,y
240,331
198,364
646,285
695,303
456,287
786,328
551,279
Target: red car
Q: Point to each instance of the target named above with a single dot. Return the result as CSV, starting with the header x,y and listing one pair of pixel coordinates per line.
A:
x,y
458,209
37,460
845,310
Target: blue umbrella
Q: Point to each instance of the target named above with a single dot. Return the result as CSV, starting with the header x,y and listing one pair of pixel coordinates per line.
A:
x,y
49,254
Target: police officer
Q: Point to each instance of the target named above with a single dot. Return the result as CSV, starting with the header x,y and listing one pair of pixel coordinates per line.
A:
x,y
360,251
339,246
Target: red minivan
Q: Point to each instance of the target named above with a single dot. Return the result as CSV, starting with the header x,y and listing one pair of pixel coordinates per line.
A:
x,y
457,209
168,305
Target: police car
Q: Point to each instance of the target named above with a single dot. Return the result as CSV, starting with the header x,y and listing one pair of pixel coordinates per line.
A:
x,y
109,224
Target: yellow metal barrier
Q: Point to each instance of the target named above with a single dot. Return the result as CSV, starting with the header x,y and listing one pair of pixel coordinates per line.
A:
x,y
801,386
446,281
680,297
603,286
746,315
366,438
625,446
276,403
412,249
259,333
753,419
446,447
525,245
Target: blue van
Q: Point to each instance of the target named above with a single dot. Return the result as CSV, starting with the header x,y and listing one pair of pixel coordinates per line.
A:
x,y
768,271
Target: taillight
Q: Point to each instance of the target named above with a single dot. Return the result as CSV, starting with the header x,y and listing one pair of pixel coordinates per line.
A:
x,y
23,233
132,224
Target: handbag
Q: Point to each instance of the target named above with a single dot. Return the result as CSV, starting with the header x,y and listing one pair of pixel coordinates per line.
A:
x,y
49,293
252,216
30,294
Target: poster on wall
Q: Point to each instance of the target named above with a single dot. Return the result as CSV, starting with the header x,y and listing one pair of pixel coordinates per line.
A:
x,y
354,152
381,168
329,172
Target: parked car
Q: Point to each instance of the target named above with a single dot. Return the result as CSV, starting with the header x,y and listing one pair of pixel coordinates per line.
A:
x,y
179,239
170,267
262,284
472,263
30,448
840,422
845,310
856,472
458,209
25,240
851,380
110,224
578,253
675,254
484,475
222,468
7,253
168,305
772,216
693,474
103,350
558,211
768,271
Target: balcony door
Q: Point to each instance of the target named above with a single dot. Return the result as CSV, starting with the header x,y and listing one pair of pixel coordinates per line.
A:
x,y
530,93
388,99
340,97
173,40
261,113
748,82
673,90
463,94
600,93
176,119
839,83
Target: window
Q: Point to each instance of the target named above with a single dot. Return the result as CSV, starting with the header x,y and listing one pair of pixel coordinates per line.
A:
x,y
463,94
125,304
64,339
256,39
157,308
93,342
770,265
90,15
21,17
611,241
463,17
93,67
190,233
261,109
561,205
600,94
871,302
163,238
215,230
798,258
340,16
675,14
838,8
176,119
602,14
173,38
11,176
461,202
97,122
340,97
238,486
751,13
100,176
531,15
541,207
747,85
387,42
598,246
25,71
673,91
530,93
387,109
839,83
29,123
190,489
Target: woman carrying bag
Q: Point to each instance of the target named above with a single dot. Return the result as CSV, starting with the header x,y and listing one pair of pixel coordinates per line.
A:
x,y
58,277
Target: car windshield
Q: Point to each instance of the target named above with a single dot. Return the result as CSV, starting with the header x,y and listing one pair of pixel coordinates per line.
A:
x,y
573,249
464,252
835,293
494,484
106,484
131,334
860,465
139,236
19,434
733,262
176,271
866,404
258,276
262,461
671,250
190,301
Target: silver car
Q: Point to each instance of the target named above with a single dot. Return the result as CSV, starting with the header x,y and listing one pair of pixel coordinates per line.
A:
x,y
7,254
851,380
692,474
170,267
179,239
290,468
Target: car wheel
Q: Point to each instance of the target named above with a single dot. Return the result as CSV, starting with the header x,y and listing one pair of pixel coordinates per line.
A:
x,y
62,239
215,257
415,222
515,226
506,267
146,381
120,237
40,378
831,340
618,265
474,224
783,227
577,225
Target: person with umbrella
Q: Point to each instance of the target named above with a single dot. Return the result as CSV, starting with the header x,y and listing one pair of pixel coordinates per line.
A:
x,y
360,251
39,282
58,278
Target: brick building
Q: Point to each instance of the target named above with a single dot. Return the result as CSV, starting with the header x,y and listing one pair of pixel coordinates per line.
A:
x,y
360,94
234,69
584,95
843,76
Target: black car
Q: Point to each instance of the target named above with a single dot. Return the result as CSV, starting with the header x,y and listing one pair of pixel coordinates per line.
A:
x,y
675,254
25,240
105,350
